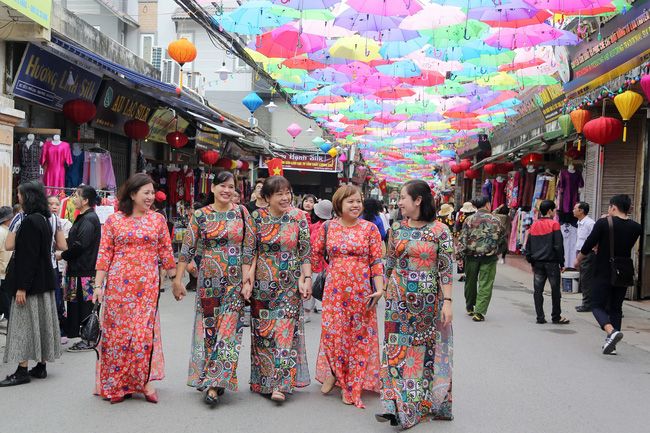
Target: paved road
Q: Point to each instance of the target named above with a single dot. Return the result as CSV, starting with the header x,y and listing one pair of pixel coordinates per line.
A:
x,y
510,375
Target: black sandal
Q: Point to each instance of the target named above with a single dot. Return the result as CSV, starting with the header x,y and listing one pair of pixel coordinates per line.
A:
x,y
561,321
386,417
211,400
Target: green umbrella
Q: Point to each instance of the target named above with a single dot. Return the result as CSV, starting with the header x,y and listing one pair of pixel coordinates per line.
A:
x,y
415,108
457,32
450,88
537,80
307,14
493,60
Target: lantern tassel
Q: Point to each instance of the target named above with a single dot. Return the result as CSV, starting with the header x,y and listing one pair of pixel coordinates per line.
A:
x,y
624,132
181,80
579,143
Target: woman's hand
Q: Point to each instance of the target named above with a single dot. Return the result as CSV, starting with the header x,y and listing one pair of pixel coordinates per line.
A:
x,y
373,299
247,290
178,289
304,286
447,313
21,297
57,255
191,268
98,295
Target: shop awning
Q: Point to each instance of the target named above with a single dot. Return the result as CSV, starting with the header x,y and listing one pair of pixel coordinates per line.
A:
x,y
219,128
157,89
535,141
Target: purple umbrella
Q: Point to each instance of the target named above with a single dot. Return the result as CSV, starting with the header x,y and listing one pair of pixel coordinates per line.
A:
x,y
363,23
306,4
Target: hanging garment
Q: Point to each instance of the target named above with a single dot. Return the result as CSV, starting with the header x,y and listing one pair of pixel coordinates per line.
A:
x,y
498,193
552,189
570,236
54,158
107,174
30,162
188,186
486,189
528,188
173,180
74,173
568,187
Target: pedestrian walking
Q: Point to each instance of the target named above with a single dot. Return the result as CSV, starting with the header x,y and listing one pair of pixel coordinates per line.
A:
x,y
307,204
236,197
133,242
349,346
257,201
322,212
587,267
615,236
283,277
503,214
371,213
81,257
224,230
545,252
416,370
481,240
466,211
33,331
446,215
6,214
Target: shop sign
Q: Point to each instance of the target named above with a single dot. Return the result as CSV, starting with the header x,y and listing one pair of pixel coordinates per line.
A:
x,y
208,139
162,122
594,63
302,161
551,99
118,104
46,79
38,11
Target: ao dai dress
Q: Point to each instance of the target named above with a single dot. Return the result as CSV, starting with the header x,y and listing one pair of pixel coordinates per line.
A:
x,y
278,358
219,320
349,345
417,359
130,352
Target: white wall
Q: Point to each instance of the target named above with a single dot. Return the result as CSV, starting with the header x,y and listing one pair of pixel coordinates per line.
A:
x,y
283,116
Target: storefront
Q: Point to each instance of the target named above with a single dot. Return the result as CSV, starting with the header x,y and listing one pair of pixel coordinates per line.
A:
x,y
308,173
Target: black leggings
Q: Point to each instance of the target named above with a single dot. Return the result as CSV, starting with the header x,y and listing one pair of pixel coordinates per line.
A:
x,y
607,303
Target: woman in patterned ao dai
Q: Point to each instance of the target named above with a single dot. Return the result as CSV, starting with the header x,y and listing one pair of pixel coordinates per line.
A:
x,y
282,277
224,230
133,242
417,359
349,345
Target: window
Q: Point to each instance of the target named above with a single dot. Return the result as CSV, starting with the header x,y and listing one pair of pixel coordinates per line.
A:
x,y
156,57
167,67
146,47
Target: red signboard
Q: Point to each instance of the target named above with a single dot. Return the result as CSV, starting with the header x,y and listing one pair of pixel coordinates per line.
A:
x,y
302,161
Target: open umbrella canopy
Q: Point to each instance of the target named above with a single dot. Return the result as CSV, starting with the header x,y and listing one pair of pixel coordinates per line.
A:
x,y
410,81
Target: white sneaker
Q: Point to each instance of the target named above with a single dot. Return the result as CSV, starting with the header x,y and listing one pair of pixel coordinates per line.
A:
x,y
502,261
611,341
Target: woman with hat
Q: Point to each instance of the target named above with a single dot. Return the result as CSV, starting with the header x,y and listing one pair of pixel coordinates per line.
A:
x,y
467,210
446,215
321,212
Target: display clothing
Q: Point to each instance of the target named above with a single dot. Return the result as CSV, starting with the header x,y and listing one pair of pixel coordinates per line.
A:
x,y
569,236
30,162
219,319
54,158
349,344
130,251
188,186
568,189
98,170
529,179
486,189
513,192
416,368
278,357
175,186
498,193
74,173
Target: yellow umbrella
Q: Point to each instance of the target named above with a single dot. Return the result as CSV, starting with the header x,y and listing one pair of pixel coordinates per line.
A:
x,y
436,126
356,48
500,79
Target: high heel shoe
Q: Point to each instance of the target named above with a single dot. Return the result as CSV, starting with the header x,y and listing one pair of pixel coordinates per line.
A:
x,y
278,397
386,417
115,400
152,397
211,399
328,385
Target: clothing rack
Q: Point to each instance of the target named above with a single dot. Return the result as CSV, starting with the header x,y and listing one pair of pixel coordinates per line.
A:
x,y
101,192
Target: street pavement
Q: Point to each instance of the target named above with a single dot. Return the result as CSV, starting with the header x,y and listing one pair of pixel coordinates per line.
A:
x,y
510,375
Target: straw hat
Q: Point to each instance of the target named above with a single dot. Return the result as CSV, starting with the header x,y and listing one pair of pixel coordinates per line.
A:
x,y
445,210
323,209
468,207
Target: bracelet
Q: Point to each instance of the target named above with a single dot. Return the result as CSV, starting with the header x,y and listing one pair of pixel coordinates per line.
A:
x,y
308,276
448,299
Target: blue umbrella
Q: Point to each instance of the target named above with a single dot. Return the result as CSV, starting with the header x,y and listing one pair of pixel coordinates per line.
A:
x,y
403,68
399,49
251,18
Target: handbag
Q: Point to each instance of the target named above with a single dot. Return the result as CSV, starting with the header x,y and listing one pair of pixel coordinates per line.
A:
x,y
622,267
318,285
90,329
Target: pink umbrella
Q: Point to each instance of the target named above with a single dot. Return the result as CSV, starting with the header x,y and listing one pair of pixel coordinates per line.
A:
x,y
396,8
529,36
355,69
572,7
433,16
426,79
287,42
394,93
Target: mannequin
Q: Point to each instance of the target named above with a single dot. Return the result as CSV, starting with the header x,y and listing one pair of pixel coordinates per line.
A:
x,y
56,155
74,173
530,177
30,156
30,140
571,168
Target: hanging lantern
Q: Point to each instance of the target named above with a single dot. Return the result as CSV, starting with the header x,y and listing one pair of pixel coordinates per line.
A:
x,y
225,163
136,129
182,51
455,168
252,101
645,85
294,130
79,111
210,157
566,126
579,118
317,141
532,159
177,139
603,130
490,169
245,165
627,103
465,164
325,147
472,174
505,167
343,157
333,152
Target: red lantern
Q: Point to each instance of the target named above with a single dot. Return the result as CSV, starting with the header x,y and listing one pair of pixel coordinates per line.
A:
x,y
505,167
210,157
136,129
79,111
532,159
490,169
465,164
224,163
177,139
245,165
455,168
603,130
472,174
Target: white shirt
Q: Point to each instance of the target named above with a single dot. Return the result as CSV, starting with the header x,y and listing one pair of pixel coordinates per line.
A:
x,y
585,226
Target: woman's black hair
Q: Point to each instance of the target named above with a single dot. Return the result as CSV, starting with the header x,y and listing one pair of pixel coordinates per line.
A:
x,y
371,209
131,186
89,193
34,198
274,184
311,196
222,177
419,188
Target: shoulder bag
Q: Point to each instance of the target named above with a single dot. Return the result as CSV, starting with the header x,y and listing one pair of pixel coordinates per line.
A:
x,y
622,267
90,330
318,285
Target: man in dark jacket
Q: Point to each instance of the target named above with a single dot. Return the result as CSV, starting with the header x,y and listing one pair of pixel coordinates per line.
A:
x,y
545,252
